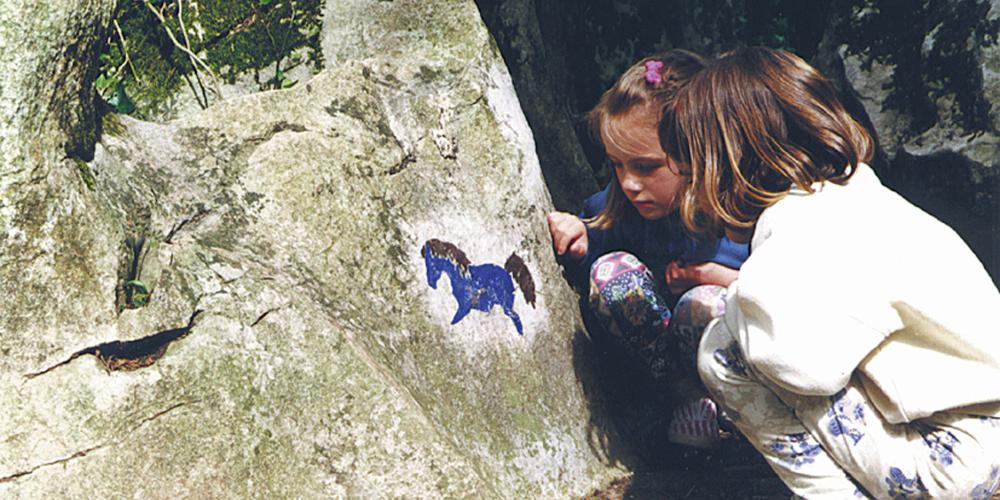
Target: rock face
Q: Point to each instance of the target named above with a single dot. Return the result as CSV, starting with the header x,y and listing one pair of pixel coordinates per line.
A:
x,y
244,302
927,77
932,91
544,79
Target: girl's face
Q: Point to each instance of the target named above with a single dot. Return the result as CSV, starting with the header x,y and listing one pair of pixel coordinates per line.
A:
x,y
646,176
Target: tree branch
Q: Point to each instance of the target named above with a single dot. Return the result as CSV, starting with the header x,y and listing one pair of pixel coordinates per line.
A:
x,y
195,60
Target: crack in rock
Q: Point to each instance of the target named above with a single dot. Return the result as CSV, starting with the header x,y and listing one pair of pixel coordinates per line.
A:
x,y
276,129
194,219
79,454
131,292
162,413
264,315
82,453
407,160
130,354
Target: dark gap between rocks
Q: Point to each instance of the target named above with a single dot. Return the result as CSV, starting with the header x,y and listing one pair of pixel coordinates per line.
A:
x,y
130,354
132,292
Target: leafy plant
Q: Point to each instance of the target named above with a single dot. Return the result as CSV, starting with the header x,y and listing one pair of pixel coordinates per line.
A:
x,y
138,294
133,293
161,47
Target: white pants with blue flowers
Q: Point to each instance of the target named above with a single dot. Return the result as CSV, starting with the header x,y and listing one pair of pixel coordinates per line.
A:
x,y
840,447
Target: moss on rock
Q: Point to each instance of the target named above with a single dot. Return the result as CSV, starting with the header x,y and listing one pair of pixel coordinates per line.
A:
x,y
151,59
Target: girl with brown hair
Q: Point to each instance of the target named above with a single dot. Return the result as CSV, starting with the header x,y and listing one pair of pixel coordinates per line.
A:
x,y
848,365
630,242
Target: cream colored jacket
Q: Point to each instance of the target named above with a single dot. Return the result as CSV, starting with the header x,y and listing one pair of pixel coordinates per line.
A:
x,y
855,278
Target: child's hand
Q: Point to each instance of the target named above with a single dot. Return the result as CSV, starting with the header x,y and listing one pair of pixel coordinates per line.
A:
x,y
569,234
683,278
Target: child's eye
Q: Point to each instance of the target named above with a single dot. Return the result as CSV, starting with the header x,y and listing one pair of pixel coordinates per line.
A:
x,y
646,168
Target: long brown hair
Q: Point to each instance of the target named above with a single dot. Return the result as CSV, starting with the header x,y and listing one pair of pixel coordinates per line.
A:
x,y
631,92
752,125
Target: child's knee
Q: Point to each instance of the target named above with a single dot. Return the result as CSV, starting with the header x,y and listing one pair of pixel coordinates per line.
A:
x,y
700,305
720,361
613,264
616,276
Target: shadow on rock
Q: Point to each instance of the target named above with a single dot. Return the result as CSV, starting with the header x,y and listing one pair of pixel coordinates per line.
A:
x,y
629,411
957,191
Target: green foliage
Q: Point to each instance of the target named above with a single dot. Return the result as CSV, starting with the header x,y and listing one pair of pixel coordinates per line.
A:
x,y
272,36
783,24
137,293
121,101
133,293
142,68
110,86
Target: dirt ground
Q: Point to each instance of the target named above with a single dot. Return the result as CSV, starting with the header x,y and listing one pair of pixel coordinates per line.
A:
x,y
733,472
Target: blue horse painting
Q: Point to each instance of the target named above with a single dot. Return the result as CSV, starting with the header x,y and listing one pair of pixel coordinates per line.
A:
x,y
478,287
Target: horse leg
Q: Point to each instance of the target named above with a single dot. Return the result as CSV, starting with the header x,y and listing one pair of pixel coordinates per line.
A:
x,y
509,311
463,309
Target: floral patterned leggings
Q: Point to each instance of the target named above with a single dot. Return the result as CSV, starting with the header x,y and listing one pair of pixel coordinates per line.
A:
x,y
623,297
840,447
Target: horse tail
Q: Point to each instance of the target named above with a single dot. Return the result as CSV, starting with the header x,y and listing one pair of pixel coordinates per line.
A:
x,y
515,266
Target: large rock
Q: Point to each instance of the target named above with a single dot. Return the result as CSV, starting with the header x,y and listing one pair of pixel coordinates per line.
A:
x,y
545,78
240,303
933,90
927,79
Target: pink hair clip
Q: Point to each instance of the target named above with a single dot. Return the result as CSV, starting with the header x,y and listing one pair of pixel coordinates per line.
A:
x,y
652,73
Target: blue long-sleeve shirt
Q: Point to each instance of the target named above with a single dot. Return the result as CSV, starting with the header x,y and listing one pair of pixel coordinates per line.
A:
x,y
656,243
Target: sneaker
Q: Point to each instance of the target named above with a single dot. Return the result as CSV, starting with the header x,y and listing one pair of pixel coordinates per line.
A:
x,y
695,423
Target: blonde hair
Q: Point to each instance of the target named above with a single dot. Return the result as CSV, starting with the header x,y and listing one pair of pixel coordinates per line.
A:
x,y
632,91
751,125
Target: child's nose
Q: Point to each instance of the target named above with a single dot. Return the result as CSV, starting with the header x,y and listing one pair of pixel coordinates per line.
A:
x,y
630,184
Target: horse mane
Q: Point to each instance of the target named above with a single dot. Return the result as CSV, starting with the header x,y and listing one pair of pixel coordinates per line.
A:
x,y
448,251
515,266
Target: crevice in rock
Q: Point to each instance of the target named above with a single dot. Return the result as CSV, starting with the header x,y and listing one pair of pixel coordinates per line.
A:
x,y
131,292
264,315
194,219
283,126
408,151
275,129
87,175
473,103
408,159
79,454
130,354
